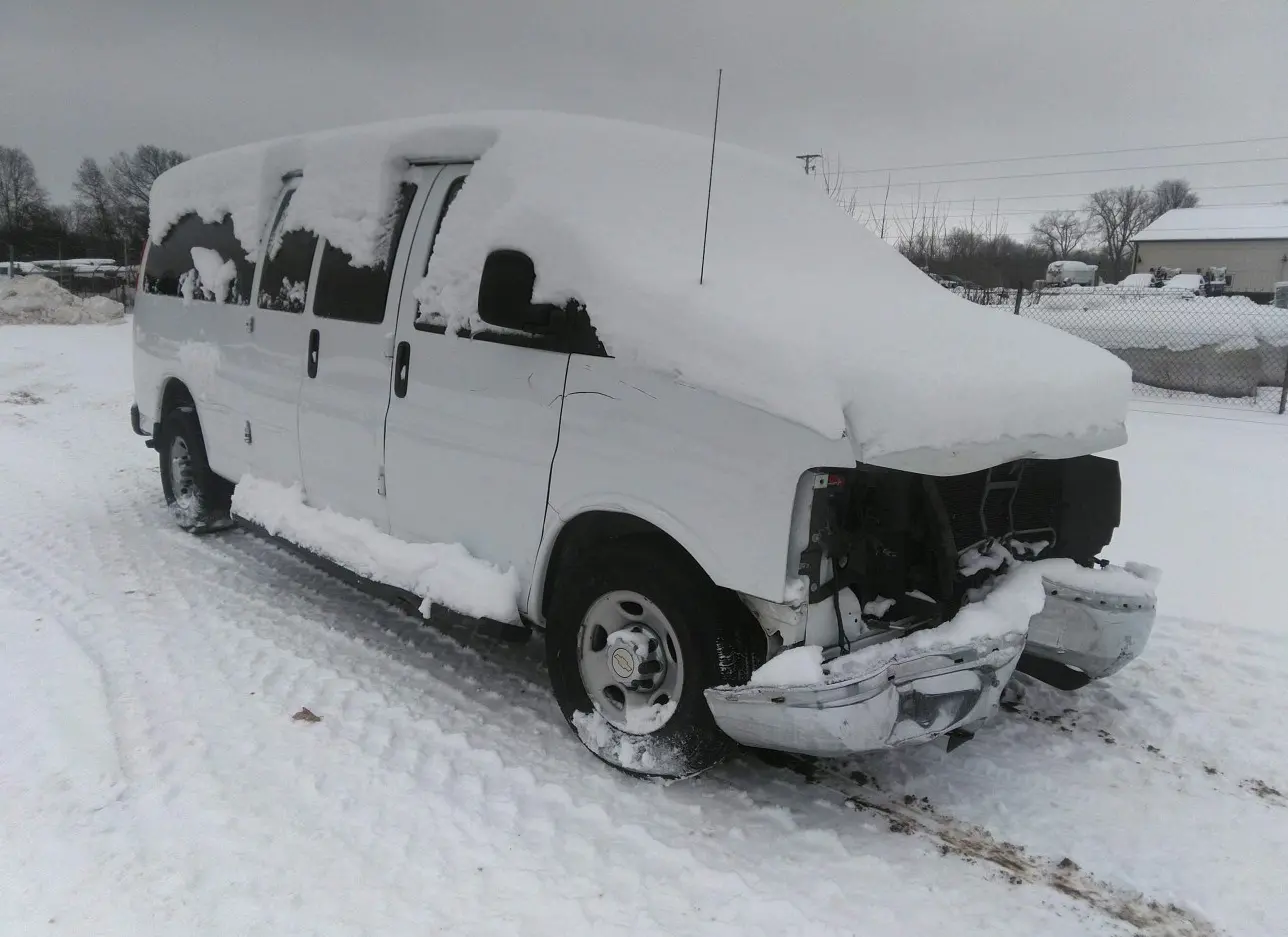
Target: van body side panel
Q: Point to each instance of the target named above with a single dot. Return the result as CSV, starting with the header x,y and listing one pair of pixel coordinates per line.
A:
x,y
268,365
187,342
718,476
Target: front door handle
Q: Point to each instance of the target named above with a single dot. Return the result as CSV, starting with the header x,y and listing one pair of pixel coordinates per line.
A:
x,y
402,364
314,341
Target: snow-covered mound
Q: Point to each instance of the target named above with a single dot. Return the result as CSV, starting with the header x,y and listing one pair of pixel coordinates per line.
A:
x,y
1118,317
36,299
804,313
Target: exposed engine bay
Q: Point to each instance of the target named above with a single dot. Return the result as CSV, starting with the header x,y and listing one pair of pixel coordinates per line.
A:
x,y
890,551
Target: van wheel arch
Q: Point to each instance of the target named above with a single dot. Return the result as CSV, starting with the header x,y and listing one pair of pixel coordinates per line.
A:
x,y
200,502
174,394
593,530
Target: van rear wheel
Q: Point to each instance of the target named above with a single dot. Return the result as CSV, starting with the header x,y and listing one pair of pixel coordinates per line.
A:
x,y
199,500
634,635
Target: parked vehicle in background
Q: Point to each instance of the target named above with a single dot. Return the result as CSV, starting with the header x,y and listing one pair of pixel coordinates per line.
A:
x,y
1192,283
1071,273
1137,280
814,504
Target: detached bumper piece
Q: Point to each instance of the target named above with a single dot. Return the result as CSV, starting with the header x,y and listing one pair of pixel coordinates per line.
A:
x,y
1083,633
897,703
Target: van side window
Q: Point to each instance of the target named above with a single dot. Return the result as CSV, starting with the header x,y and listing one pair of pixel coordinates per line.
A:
x,y
358,294
200,261
434,321
284,284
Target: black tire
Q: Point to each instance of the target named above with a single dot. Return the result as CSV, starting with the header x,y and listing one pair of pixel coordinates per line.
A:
x,y
199,500
718,642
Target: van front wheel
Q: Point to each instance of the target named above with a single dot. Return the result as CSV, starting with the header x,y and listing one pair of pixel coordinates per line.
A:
x,y
634,635
199,500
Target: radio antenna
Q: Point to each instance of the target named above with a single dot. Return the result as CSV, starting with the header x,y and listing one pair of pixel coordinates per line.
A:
x,y
711,175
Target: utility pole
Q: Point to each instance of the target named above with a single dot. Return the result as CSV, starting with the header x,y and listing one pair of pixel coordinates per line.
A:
x,y
808,160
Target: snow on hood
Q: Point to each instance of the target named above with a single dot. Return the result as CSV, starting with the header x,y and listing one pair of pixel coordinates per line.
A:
x,y
804,312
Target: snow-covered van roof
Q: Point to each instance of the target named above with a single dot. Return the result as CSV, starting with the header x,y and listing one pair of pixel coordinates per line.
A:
x,y
1219,223
804,312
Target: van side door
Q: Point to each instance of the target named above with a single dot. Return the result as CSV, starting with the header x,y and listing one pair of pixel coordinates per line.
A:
x,y
267,357
348,354
473,423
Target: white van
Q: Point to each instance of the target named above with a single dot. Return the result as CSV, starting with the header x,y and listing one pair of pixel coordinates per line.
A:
x,y
784,491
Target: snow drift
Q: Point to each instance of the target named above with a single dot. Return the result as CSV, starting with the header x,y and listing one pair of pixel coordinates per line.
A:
x,y
35,299
1117,317
439,573
804,314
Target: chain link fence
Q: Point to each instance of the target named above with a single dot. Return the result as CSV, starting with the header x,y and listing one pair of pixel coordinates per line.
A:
x,y
1181,346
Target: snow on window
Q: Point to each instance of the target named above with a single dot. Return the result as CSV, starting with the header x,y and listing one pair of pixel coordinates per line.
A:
x,y
223,272
215,274
188,287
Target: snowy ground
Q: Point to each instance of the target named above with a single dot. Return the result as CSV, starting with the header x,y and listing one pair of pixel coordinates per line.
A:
x,y
153,779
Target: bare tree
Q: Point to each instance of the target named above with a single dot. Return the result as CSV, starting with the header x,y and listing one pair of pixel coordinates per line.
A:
x,y
96,211
919,229
1172,193
832,176
1117,216
130,177
1059,233
22,199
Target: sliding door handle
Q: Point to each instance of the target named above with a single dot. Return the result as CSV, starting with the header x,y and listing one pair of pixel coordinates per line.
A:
x,y
314,341
402,365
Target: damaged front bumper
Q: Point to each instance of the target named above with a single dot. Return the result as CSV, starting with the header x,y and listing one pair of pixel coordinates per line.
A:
x,y
1088,630
1092,624
896,703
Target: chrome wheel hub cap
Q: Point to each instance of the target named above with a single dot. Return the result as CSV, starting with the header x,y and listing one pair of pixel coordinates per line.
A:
x,y
629,659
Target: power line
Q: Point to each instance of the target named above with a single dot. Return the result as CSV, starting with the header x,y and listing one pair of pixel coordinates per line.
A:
x,y
1022,159
1207,188
984,212
1064,172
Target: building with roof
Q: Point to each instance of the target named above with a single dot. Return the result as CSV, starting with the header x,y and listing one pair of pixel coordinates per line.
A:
x,y
1250,241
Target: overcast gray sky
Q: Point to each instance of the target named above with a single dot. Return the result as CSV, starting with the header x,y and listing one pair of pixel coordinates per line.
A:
x,y
878,83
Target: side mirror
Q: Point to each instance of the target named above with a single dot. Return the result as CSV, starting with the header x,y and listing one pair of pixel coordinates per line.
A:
x,y
505,295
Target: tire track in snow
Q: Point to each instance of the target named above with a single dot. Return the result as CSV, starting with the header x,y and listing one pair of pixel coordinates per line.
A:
x,y
910,816
386,725
1151,918
428,760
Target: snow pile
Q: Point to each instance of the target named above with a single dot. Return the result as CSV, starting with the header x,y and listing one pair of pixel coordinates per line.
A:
x,y
34,299
439,573
797,666
999,617
804,314
1123,317
1132,580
